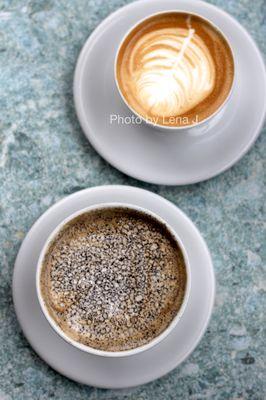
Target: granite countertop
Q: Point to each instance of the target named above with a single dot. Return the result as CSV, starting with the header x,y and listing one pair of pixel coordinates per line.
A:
x,y
44,156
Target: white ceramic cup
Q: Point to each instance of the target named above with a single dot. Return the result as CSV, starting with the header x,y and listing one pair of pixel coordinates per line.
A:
x,y
89,349
197,127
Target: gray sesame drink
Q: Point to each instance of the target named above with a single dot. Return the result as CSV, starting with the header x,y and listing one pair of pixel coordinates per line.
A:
x,y
113,279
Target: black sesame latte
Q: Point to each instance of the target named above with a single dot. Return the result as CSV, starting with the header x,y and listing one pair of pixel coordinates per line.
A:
x,y
113,279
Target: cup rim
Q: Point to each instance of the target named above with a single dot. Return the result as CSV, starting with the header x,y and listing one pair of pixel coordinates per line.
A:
x,y
89,349
168,127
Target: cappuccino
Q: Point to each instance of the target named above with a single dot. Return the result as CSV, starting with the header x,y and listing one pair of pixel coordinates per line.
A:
x,y
175,69
113,279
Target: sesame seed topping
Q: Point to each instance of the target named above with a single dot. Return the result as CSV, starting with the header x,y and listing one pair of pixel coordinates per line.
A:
x,y
113,279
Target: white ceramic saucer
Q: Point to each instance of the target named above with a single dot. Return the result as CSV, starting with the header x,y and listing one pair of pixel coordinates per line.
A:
x,y
150,155
109,372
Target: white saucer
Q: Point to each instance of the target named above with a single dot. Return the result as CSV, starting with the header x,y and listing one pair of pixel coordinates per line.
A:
x,y
150,155
123,372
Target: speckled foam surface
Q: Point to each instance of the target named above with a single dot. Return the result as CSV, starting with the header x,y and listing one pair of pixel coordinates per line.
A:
x,y
44,156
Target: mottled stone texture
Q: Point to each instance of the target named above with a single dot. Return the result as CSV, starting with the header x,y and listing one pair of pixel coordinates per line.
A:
x,y
44,157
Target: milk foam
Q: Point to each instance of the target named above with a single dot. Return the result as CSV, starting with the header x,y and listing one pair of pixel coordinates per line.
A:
x,y
171,71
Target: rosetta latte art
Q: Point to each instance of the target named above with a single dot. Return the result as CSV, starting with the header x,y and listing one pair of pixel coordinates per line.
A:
x,y
171,71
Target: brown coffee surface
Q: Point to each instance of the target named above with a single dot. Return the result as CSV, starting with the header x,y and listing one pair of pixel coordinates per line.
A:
x,y
113,279
175,69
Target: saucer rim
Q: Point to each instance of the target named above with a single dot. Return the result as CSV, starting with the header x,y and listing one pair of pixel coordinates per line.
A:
x,y
78,79
142,192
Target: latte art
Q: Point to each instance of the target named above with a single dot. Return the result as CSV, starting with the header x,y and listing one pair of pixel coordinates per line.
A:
x,y
174,68
172,71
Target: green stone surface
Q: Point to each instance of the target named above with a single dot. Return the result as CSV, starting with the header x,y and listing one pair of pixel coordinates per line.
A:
x,y
44,156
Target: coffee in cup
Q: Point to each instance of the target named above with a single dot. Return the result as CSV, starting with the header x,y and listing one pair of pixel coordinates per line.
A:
x,y
174,69
113,278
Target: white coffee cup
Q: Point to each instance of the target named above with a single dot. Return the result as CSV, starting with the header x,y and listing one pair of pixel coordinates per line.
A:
x,y
84,347
197,127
